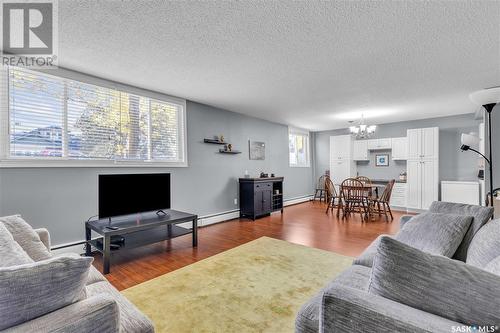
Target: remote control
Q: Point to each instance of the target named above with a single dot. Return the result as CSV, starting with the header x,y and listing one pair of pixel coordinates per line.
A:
x,y
112,228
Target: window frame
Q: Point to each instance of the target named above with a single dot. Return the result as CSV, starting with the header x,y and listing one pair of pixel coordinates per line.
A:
x,y
7,161
307,134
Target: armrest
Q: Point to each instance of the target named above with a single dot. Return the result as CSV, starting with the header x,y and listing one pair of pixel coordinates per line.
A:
x,y
403,219
44,236
346,309
95,314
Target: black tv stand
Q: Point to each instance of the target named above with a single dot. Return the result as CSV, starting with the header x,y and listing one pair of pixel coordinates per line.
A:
x,y
137,230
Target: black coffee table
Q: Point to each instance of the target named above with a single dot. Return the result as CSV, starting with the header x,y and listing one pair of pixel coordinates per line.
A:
x,y
137,230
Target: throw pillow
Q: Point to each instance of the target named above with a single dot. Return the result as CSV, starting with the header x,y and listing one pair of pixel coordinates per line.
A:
x,y
435,284
481,216
485,245
25,236
11,253
32,290
435,233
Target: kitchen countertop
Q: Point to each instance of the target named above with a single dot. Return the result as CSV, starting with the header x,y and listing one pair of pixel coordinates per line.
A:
x,y
385,181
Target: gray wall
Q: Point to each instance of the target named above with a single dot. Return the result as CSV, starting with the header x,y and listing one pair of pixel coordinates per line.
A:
x,y
453,164
61,199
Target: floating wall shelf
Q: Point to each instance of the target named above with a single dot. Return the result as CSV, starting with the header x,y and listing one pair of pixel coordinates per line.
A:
x,y
222,151
233,152
215,142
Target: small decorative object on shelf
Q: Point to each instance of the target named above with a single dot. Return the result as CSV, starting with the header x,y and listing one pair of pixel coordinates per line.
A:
x,y
229,147
221,138
264,175
247,175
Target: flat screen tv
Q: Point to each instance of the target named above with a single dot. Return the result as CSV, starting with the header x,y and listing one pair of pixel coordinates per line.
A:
x,y
123,194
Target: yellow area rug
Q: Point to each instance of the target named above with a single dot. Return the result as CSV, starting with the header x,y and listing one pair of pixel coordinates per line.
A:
x,y
256,287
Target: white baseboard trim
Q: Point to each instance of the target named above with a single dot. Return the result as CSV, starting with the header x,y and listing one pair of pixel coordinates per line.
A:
x,y
203,221
297,200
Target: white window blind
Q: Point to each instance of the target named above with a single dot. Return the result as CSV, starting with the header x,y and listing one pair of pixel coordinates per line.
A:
x,y
298,148
61,119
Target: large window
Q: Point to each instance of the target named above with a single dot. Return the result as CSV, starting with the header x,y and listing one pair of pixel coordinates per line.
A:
x,y
298,148
55,119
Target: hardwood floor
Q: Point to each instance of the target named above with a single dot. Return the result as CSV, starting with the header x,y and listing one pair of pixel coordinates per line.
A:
x,y
305,224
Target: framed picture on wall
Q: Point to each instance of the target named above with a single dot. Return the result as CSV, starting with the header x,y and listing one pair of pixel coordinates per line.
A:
x,y
257,150
382,160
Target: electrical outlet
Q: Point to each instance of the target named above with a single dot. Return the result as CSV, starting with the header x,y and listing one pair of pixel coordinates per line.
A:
x,y
235,201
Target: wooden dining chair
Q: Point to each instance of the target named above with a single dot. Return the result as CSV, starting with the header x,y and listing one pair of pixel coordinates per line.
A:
x,y
382,205
334,199
368,183
320,189
355,196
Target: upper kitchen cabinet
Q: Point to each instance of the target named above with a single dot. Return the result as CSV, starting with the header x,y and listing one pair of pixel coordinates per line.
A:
x,y
379,144
360,150
400,148
423,143
340,147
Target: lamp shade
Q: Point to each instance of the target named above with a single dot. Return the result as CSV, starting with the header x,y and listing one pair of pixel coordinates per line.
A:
x,y
486,96
469,140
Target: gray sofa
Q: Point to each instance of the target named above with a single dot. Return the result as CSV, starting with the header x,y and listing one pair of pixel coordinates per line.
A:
x,y
99,307
347,304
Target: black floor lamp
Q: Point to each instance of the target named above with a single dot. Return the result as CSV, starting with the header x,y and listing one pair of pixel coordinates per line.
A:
x,y
487,98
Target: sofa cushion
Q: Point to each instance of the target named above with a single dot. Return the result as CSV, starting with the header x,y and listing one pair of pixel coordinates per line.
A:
x,y
481,216
493,266
485,245
25,236
435,233
11,253
131,319
308,317
31,290
435,284
366,258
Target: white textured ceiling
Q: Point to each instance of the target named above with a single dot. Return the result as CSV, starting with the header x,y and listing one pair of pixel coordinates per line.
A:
x,y
308,64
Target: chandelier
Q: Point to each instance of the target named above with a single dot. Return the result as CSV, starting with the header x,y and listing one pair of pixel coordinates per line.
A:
x,y
362,131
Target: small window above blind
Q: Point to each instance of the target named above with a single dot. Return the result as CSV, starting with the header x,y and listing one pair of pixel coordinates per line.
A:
x,y
60,119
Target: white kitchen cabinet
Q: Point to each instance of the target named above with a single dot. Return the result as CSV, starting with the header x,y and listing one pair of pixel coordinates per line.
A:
x,y
429,183
342,165
378,144
342,169
360,150
400,148
413,184
430,143
398,195
422,167
340,147
423,143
